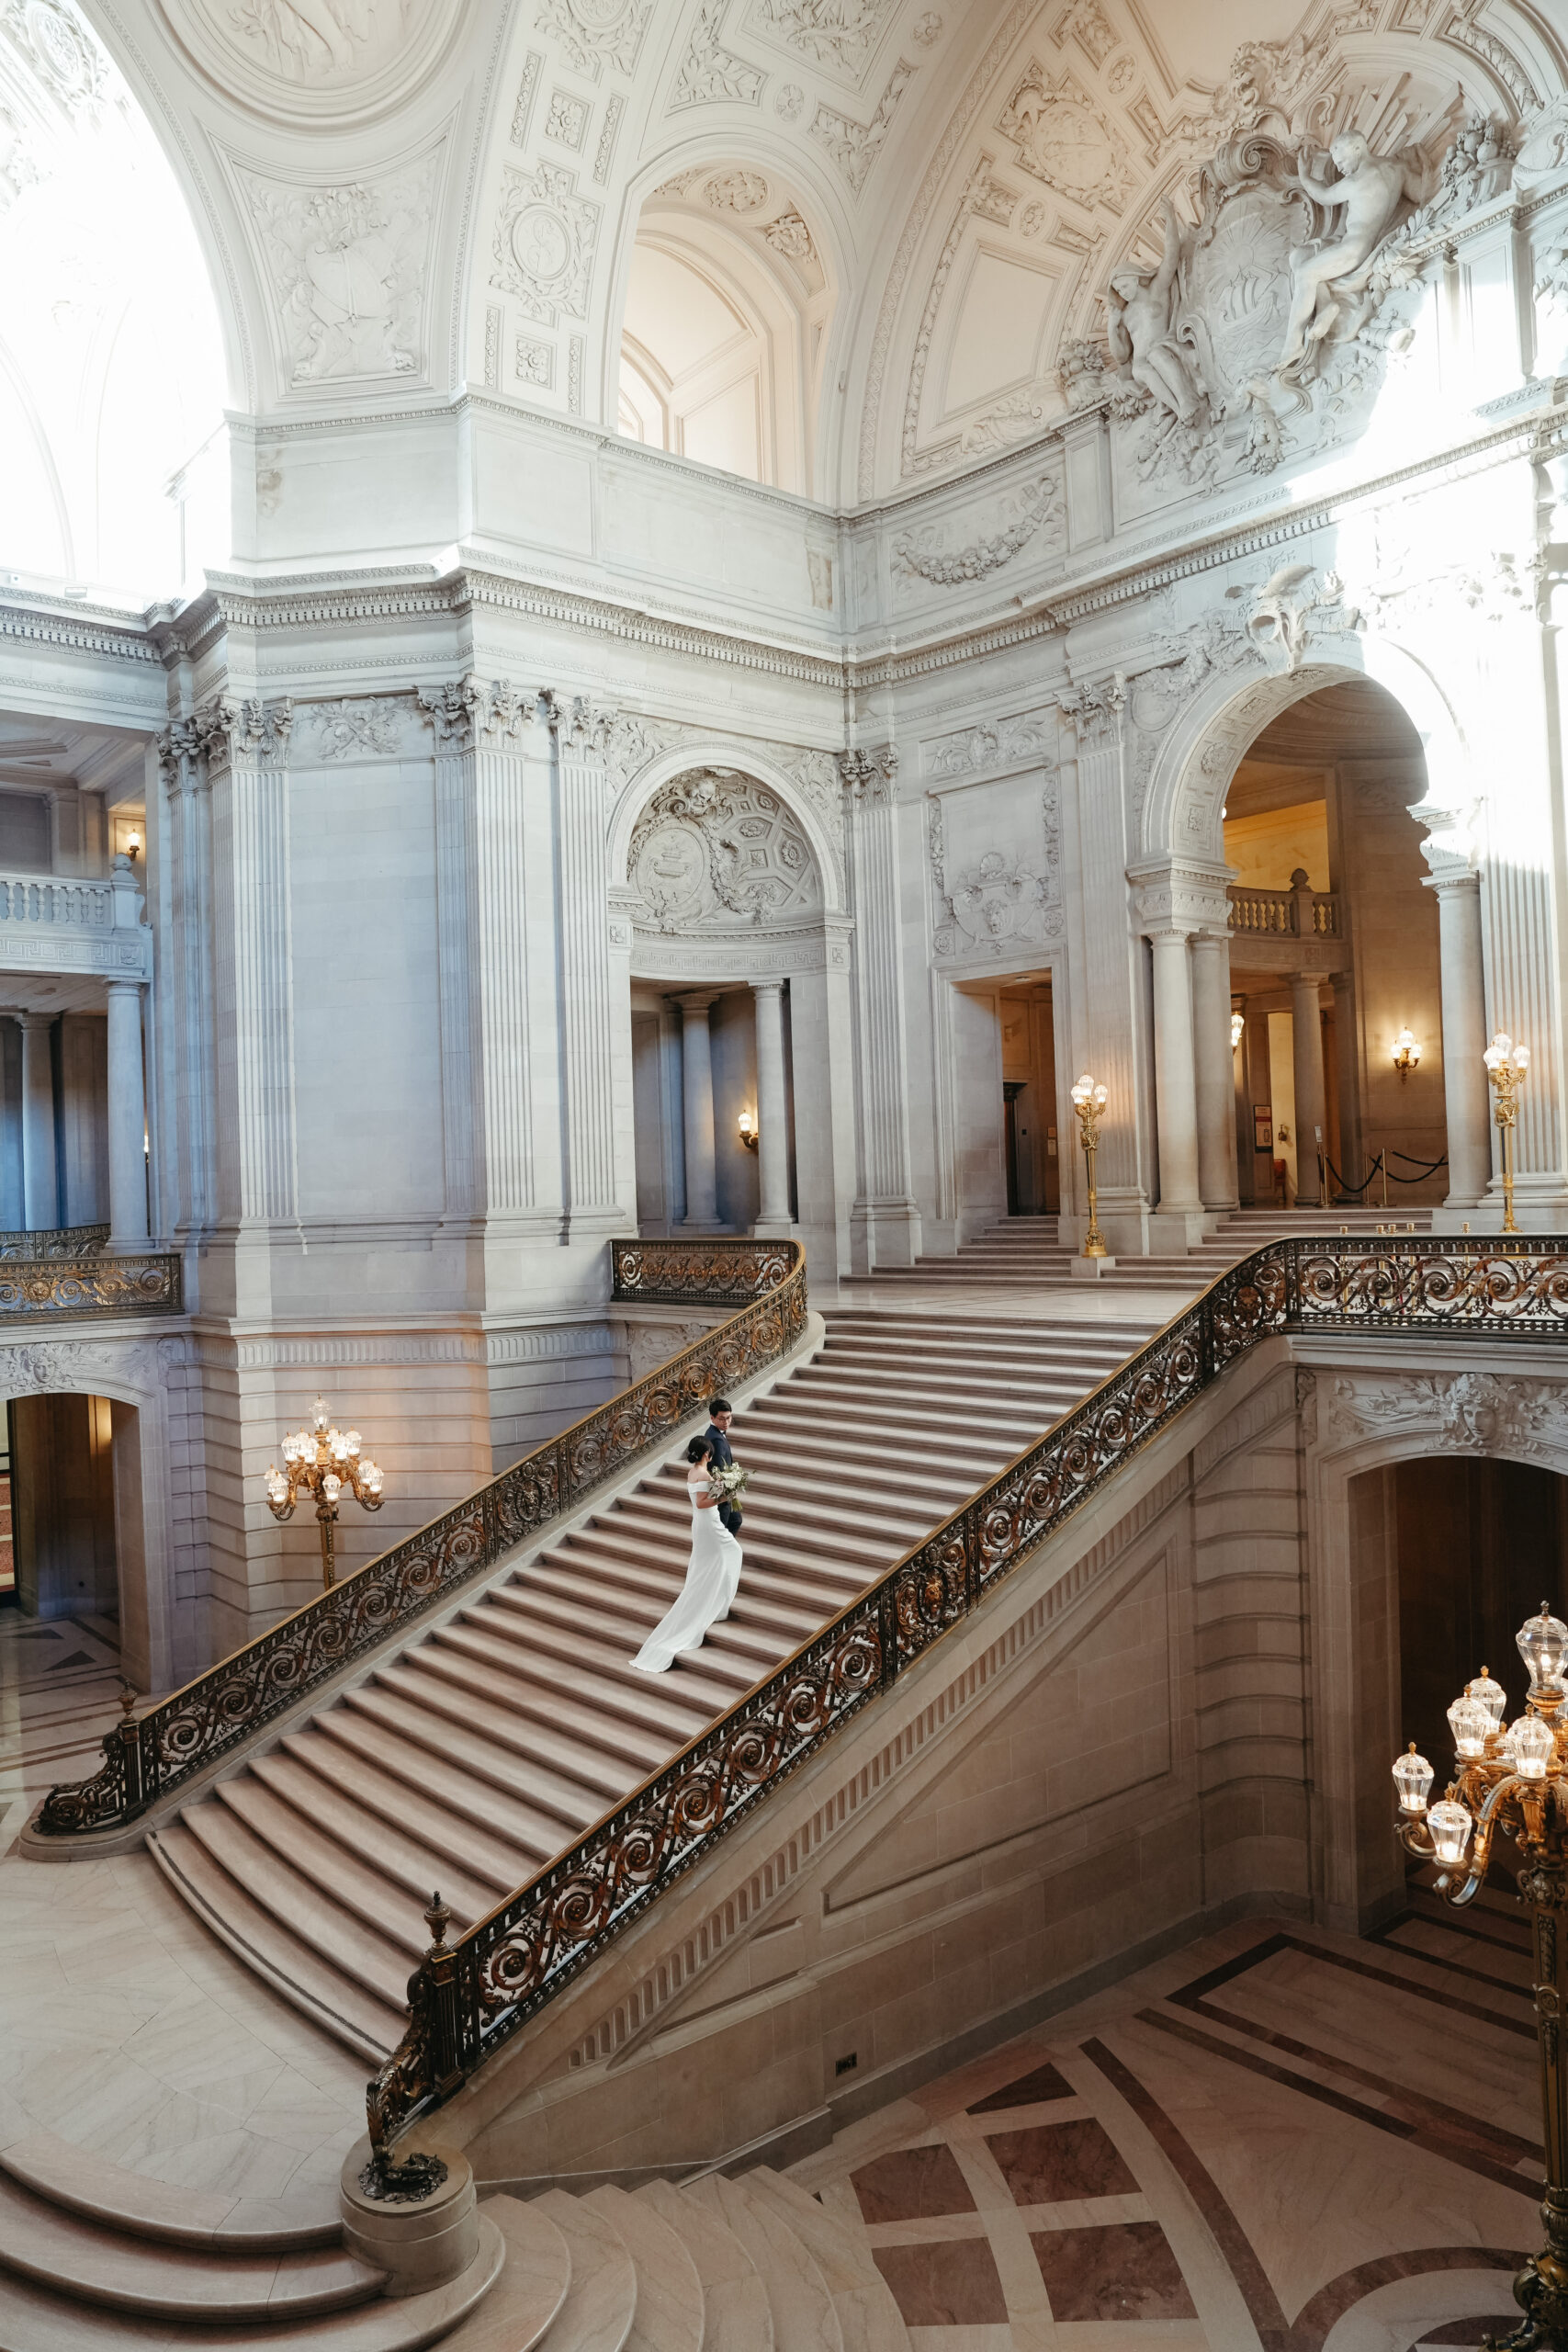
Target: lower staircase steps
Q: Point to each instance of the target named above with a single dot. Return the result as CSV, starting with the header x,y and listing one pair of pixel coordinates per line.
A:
x,y
465,1760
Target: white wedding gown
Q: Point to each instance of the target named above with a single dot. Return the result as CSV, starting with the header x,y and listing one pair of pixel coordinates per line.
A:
x,y
712,1576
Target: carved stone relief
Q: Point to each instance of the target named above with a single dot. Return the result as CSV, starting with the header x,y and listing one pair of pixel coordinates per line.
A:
x,y
715,851
347,267
1286,611
344,729
1004,900
546,236
855,146
1063,138
596,33
1482,1412
567,121
67,62
985,748
307,59
1034,513
838,34
709,72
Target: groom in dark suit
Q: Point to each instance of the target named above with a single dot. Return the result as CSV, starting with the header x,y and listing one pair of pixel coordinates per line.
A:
x,y
720,1414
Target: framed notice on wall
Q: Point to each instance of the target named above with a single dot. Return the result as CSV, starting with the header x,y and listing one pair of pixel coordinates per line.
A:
x,y
1263,1127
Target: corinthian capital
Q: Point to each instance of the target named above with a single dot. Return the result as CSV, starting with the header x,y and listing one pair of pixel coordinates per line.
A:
x,y
468,711
868,775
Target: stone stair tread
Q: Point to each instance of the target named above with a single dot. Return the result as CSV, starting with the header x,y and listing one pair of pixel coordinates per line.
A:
x,y
868,2313
505,1801
33,2318
712,1685
76,2256
600,2302
492,1643
735,2316
372,1883
306,1769
437,1680
668,2316
521,2307
762,1609
353,1985
804,2316
82,2181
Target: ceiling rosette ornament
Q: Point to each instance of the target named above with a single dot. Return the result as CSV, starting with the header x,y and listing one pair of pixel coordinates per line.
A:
x,y
332,63
715,852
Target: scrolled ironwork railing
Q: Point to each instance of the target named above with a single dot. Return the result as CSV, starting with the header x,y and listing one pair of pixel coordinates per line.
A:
x,y
467,1999
55,1241
90,1283
144,1760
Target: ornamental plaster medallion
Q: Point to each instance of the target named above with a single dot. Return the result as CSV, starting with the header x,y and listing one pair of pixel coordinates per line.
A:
x,y
1063,138
838,34
998,905
715,852
543,243
595,33
334,62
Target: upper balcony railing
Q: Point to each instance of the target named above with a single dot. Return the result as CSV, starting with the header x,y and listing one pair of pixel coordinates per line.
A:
x,y
1286,914
89,1283
55,1241
61,923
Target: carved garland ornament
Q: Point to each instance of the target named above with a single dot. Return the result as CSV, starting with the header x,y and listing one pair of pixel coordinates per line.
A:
x,y
921,554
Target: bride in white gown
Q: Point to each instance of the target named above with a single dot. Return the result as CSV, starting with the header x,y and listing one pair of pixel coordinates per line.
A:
x,y
712,1574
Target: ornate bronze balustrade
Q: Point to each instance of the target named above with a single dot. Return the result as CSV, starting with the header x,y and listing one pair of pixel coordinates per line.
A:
x,y
55,1241
145,1759
90,1284
467,2000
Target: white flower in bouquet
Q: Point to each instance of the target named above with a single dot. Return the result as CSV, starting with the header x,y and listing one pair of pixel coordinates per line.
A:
x,y
727,1485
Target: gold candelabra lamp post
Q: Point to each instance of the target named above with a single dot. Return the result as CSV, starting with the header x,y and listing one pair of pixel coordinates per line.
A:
x,y
1088,1101
1513,1784
1506,1066
321,1461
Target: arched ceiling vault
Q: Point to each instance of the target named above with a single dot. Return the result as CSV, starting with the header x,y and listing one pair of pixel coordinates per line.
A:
x,y
399,198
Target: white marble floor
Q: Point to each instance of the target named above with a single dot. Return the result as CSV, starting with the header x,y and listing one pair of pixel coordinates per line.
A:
x,y
125,2027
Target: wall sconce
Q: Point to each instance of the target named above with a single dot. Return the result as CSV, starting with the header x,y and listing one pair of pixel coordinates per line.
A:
x,y
133,845
748,1124
1406,1054
1238,1022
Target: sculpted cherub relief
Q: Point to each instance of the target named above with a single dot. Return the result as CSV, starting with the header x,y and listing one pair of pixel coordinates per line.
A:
x,y
1140,319
1329,280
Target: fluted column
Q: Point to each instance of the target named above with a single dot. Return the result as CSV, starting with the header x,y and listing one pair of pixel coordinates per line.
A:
x,y
1176,1092
587,1030
1215,1068
772,1113
127,1118
1466,1100
188,1143
1306,1054
696,1100
40,1186
884,1223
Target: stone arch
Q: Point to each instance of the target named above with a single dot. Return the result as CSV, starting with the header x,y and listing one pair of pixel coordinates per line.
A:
x,y
1201,752
154,1654
1356,1421
820,829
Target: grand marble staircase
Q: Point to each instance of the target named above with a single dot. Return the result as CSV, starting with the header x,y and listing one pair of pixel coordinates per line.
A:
x,y
468,1759
1025,1250
96,2259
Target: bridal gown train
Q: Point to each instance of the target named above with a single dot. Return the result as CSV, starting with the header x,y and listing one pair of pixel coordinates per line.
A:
x,y
712,1577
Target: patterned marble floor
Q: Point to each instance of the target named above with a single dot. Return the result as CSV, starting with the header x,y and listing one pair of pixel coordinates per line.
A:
x,y
58,1694
1276,2141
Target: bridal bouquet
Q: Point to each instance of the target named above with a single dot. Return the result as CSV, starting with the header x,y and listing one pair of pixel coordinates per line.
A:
x,y
727,1485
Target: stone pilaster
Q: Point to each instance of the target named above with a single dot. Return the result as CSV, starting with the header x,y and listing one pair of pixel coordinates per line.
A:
x,y
188,1160
588,1023
884,1221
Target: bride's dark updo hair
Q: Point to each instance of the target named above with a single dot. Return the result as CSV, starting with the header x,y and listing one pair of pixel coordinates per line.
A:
x,y
698,1450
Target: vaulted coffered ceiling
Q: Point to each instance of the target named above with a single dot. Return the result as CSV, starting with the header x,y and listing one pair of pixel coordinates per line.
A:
x,y
846,245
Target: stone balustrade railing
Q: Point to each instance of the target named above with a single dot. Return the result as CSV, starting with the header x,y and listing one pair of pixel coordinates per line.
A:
x,y
1286,914
62,923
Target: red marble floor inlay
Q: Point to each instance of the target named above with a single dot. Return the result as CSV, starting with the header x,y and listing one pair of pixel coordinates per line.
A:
x,y
1051,2163
911,2185
1027,2091
952,2283
1124,2270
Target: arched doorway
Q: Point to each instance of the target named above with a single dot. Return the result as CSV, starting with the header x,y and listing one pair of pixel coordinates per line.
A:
x,y
1335,959
737,981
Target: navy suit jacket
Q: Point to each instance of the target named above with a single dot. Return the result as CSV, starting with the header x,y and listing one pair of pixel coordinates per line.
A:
x,y
730,1513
